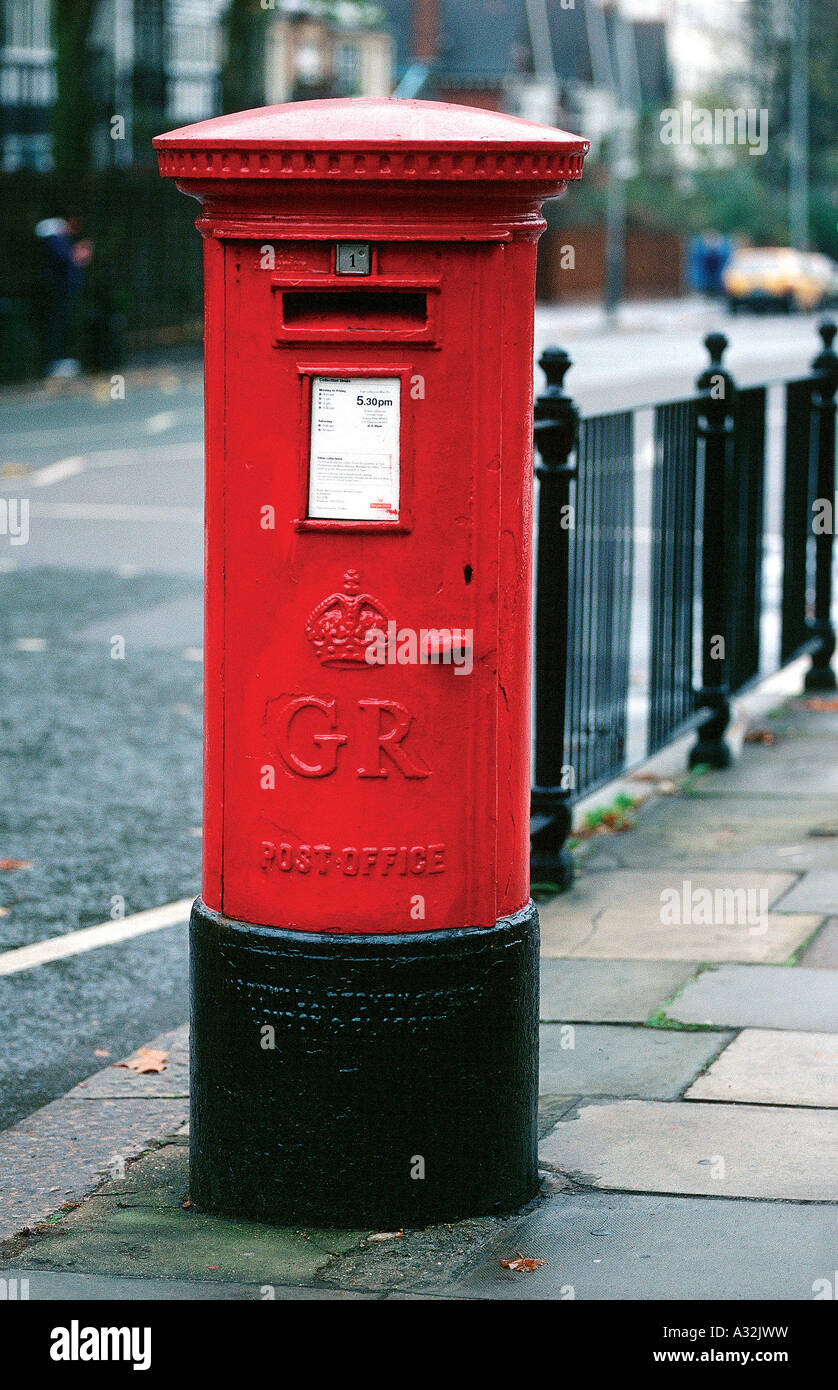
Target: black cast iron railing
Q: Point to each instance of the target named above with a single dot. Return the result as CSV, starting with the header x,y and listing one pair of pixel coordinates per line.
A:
x,y
631,652
673,572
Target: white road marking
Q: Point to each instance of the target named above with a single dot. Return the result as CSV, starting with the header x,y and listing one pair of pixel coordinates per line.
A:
x,y
158,424
147,456
74,943
114,511
30,644
56,472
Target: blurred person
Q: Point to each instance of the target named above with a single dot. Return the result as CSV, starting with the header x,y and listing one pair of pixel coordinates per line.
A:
x,y
708,254
64,263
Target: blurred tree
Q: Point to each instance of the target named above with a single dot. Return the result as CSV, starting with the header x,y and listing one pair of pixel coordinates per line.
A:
x,y
770,51
149,77
770,23
73,111
243,65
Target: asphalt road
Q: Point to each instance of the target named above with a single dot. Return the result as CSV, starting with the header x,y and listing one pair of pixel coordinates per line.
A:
x,y
100,755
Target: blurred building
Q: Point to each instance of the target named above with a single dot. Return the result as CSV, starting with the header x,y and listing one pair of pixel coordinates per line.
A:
x,y
557,61
159,61
706,43
313,50
27,84
147,56
577,62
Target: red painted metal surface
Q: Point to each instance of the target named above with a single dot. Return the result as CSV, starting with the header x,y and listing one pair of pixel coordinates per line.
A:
x,y
341,795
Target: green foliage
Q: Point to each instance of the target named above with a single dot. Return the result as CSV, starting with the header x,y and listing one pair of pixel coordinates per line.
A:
x,y
543,892
73,111
243,63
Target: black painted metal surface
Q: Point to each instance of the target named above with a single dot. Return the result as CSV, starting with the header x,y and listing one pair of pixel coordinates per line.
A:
x,y
601,591
674,562
556,428
821,675
349,1081
798,496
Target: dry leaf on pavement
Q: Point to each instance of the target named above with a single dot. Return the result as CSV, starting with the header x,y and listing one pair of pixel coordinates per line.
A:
x,y
522,1264
145,1059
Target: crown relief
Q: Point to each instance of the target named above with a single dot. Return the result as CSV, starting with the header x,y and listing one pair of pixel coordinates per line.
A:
x,y
338,628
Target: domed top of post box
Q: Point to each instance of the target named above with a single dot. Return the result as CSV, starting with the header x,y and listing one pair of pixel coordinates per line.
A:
x,y
363,139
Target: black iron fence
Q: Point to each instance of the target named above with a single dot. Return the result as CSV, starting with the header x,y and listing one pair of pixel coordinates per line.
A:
x,y
644,630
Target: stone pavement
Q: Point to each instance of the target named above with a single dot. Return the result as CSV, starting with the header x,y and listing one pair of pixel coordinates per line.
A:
x,y
689,1078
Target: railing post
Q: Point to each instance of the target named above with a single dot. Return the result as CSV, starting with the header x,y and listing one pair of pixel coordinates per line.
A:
x,y
715,432
556,428
820,675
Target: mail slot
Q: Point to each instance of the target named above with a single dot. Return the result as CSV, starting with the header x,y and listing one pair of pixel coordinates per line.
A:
x,y
386,309
364,952
352,311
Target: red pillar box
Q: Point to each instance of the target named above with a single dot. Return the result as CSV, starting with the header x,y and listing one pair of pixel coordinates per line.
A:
x,y
364,953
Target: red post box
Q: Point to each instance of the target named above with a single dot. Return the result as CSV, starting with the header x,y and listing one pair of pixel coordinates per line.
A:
x,y
364,953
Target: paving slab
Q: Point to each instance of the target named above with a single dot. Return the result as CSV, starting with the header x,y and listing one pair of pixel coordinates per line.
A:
x,y
617,915
817,892
65,1149
774,1067
590,1059
119,1081
62,1151
604,991
793,768
723,832
699,1148
760,996
822,951
46,1285
794,720
137,1226
550,1110
629,1246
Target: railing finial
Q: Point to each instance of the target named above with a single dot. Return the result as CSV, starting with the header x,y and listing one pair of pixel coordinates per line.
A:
x,y
827,329
716,344
555,364
826,361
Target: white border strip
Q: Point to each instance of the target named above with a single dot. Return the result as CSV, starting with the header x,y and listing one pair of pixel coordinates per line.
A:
x,y
73,943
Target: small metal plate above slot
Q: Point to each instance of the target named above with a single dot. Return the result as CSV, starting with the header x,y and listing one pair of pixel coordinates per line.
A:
x,y
353,258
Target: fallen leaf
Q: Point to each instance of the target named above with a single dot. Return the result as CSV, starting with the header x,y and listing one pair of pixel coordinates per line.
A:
x,y
145,1059
187,1203
101,1052
760,736
4,912
523,1264
6,864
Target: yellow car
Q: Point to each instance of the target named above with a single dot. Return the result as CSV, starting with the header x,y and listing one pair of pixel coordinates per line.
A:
x,y
778,278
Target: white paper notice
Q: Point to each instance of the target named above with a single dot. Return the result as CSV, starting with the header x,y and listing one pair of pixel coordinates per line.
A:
x,y
354,463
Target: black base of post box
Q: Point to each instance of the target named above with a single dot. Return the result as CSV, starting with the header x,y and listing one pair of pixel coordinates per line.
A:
x,y
348,1080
